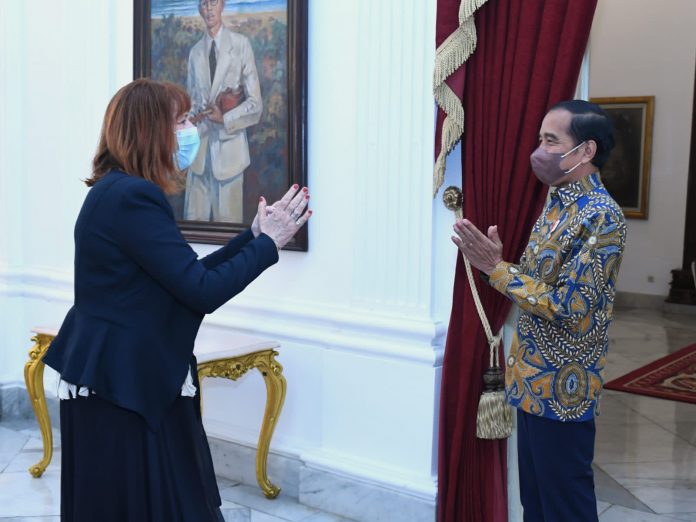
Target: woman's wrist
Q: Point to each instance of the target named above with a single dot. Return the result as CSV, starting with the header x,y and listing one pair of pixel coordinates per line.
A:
x,y
275,242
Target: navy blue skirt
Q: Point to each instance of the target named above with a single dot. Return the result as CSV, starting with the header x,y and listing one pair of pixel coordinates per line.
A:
x,y
116,469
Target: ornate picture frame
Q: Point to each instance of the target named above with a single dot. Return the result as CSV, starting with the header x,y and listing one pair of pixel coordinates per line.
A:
x,y
627,172
259,83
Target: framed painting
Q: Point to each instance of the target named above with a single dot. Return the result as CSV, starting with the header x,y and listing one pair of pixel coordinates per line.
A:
x,y
244,64
627,172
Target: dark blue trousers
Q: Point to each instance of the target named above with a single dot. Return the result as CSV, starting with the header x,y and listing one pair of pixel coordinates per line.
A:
x,y
555,461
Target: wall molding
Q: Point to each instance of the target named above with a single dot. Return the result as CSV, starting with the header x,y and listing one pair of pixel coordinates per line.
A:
x,y
339,463
399,480
365,332
342,491
236,460
36,283
628,300
633,300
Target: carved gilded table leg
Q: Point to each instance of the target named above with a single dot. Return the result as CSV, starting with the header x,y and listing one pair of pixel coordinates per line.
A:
x,y
272,373
276,385
33,377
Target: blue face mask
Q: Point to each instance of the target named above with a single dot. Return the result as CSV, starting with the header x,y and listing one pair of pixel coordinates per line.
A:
x,y
189,142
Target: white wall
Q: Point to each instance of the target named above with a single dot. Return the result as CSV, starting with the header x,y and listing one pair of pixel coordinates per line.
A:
x,y
360,317
57,72
638,48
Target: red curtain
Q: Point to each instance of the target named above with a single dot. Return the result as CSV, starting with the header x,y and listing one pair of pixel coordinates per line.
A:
x,y
528,57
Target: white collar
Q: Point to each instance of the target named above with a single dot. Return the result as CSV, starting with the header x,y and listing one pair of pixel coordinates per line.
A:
x,y
209,40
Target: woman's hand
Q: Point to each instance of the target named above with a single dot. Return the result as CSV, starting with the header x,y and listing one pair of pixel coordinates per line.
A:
x,y
255,224
284,218
289,194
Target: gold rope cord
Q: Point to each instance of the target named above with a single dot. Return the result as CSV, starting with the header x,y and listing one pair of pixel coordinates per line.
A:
x,y
451,54
494,415
453,199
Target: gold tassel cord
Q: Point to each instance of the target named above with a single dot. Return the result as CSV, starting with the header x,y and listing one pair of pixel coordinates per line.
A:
x,y
494,418
494,415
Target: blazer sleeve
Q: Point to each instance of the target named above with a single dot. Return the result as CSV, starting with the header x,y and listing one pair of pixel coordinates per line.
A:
x,y
230,249
147,232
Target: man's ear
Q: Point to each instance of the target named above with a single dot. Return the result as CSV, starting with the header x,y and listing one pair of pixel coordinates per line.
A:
x,y
589,150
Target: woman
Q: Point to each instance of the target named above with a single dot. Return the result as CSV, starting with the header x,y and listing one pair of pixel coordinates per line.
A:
x,y
133,445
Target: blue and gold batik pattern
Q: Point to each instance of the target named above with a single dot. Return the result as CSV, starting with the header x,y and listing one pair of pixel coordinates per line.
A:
x,y
565,285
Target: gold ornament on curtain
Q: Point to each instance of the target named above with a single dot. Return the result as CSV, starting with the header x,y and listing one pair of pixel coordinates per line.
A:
x,y
449,57
494,416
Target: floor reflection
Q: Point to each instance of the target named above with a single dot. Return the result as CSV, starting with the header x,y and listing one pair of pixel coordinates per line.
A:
x,y
645,453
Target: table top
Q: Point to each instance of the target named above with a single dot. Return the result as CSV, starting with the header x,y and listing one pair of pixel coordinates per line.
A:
x,y
219,343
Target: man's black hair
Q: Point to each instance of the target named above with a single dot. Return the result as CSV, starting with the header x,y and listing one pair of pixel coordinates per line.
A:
x,y
589,122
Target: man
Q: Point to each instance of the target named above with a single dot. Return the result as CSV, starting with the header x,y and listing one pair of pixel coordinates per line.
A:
x,y
220,63
564,285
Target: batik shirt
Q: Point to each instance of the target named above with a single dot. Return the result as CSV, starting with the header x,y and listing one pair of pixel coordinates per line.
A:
x,y
565,285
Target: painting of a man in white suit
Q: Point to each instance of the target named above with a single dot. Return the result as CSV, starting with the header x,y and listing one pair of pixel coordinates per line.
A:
x,y
224,87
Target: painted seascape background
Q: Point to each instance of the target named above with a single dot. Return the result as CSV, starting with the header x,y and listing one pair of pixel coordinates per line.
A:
x,y
177,26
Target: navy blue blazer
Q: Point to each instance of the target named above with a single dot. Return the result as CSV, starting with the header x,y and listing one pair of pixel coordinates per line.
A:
x,y
140,295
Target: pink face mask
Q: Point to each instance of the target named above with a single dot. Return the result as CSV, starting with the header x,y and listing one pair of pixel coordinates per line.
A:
x,y
547,165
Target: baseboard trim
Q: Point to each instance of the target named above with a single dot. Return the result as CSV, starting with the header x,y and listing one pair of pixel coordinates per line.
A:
x,y
321,488
633,301
361,501
15,404
333,491
674,308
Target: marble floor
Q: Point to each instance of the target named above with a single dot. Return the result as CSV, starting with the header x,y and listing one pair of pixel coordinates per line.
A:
x,y
645,455
645,452
26,499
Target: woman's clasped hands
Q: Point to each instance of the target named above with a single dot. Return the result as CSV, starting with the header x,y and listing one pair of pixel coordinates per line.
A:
x,y
284,218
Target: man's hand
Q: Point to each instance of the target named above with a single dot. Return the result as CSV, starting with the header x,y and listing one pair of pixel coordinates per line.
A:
x,y
483,252
215,114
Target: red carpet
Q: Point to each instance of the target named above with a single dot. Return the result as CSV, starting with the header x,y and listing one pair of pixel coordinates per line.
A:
x,y
671,377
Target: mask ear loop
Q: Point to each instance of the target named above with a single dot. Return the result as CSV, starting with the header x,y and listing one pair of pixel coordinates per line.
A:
x,y
573,149
570,152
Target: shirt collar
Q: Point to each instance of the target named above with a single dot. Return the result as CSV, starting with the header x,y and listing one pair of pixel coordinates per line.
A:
x,y
209,40
569,194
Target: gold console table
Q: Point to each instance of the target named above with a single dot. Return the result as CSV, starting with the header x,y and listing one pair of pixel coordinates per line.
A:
x,y
241,354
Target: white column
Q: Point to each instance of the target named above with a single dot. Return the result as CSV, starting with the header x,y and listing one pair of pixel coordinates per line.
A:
x,y
395,141
60,63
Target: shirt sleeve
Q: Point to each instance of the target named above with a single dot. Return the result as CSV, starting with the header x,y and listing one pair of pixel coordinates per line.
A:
x,y
148,234
588,274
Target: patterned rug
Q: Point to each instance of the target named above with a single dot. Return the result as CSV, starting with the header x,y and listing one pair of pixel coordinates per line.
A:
x,y
671,377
